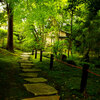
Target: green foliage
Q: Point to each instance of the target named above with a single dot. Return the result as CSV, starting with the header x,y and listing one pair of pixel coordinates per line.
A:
x,y
3,33
34,19
87,36
2,17
28,45
59,47
64,77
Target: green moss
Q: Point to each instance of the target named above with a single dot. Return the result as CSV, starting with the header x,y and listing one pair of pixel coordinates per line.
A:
x,y
11,85
67,79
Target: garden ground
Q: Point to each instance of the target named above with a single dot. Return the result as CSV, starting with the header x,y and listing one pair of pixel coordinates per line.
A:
x,y
67,80
64,78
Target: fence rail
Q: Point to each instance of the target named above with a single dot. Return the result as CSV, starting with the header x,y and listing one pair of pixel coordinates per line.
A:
x,y
77,67
85,69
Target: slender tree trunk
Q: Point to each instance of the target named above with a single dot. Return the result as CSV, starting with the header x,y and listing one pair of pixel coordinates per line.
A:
x,y
71,27
35,54
10,29
68,52
71,31
86,56
56,32
42,35
41,55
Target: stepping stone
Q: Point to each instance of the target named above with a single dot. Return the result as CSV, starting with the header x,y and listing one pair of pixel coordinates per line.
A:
x,y
31,70
40,89
56,97
25,61
29,74
27,64
21,60
24,58
25,67
36,80
26,53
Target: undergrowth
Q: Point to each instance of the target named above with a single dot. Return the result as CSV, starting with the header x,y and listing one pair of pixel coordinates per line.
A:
x,y
67,80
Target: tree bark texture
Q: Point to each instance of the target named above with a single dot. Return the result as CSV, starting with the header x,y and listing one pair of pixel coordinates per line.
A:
x,y
41,55
10,28
71,26
35,54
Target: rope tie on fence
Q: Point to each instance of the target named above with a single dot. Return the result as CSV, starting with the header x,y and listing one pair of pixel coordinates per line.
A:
x,y
77,67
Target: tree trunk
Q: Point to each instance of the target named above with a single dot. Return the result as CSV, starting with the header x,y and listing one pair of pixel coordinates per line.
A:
x,y
10,29
43,36
51,61
35,54
71,31
41,55
68,52
71,27
56,30
86,56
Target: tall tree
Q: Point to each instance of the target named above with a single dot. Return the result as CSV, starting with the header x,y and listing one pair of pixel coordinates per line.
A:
x,y
10,27
10,9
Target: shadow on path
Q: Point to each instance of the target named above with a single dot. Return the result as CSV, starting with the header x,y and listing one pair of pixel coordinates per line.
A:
x,y
11,84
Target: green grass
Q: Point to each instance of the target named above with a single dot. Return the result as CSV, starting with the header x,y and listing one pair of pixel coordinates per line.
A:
x,y
11,85
67,80
77,59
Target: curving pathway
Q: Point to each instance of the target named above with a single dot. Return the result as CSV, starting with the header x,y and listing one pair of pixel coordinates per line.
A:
x,y
36,85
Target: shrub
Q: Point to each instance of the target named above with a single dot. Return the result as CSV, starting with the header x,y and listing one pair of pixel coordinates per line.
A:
x,y
71,62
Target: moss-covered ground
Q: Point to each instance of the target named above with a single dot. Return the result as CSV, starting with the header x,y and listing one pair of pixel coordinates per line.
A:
x,y
11,85
64,78
67,80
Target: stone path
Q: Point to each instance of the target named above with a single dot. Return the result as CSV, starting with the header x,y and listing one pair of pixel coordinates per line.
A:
x,y
44,98
31,70
27,64
29,74
36,85
40,89
36,80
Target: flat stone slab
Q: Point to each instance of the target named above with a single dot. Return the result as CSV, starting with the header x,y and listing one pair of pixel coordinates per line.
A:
x,y
25,61
29,74
36,80
27,64
56,97
31,70
40,89
26,53
24,58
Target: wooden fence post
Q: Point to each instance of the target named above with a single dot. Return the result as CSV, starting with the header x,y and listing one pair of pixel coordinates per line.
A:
x,y
32,52
41,55
35,54
84,77
51,61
